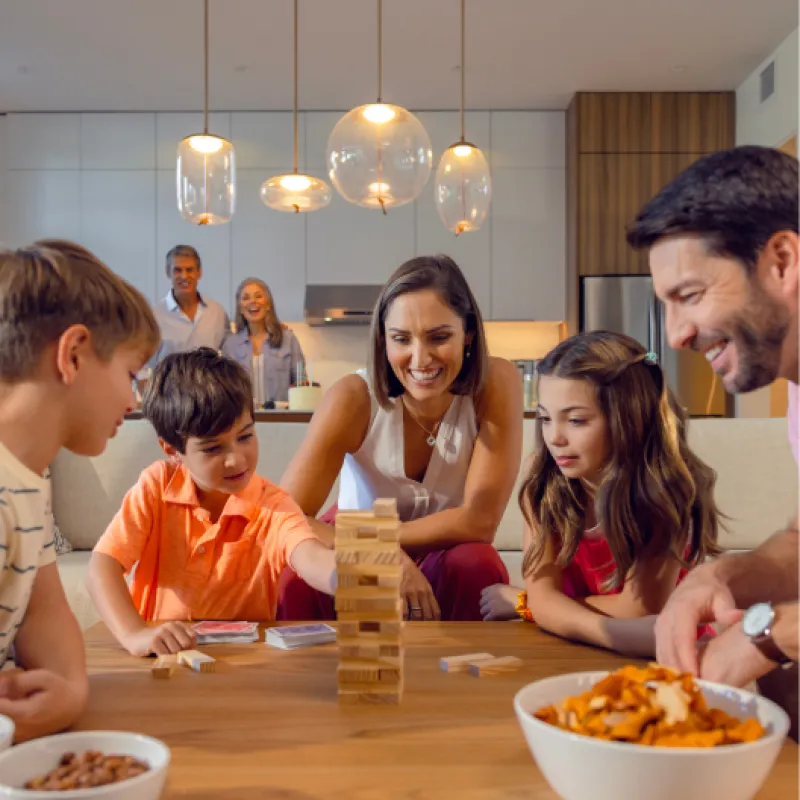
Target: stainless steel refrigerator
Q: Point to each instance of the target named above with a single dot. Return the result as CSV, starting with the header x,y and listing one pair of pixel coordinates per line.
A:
x,y
627,304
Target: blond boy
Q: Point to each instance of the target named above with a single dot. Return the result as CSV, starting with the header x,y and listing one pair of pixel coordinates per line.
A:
x,y
72,335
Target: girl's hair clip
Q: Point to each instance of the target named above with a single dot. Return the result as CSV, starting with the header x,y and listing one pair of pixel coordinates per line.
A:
x,y
651,359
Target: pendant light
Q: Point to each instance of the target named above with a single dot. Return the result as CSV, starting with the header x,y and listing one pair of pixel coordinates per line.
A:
x,y
379,155
463,189
295,192
206,167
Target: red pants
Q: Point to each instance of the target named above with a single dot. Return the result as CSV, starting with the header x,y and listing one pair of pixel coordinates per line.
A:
x,y
457,576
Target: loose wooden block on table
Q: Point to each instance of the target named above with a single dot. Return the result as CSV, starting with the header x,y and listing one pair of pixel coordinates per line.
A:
x,y
164,666
194,659
494,666
460,663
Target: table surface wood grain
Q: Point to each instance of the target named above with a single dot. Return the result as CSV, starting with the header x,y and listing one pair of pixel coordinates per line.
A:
x,y
267,723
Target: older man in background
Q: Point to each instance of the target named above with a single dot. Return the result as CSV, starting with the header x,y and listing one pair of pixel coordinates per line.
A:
x,y
186,318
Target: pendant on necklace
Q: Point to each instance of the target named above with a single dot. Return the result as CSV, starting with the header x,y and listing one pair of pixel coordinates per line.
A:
x,y
431,440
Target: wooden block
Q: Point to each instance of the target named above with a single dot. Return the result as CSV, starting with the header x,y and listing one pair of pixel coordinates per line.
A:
x,y
370,698
390,675
460,663
194,659
164,666
354,670
366,591
366,605
394,614
494,666
374,571
382,554
385,507
368,651
368,631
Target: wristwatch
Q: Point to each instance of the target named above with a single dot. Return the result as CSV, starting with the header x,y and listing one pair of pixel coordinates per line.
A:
x,y
757,624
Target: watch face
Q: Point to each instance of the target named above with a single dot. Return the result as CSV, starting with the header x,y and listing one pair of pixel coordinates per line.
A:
x,y
757,619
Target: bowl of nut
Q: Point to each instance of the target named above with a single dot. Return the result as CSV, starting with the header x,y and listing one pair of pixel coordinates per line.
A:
x,y
88,764
649,733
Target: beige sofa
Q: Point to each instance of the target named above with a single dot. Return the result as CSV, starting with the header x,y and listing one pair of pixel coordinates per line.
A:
x,y
757,487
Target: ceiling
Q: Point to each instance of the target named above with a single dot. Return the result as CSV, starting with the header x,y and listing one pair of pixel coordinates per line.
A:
x,y
135,55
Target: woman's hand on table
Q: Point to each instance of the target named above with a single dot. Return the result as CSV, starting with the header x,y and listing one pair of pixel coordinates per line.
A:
x,y
41,702
417,594
161,640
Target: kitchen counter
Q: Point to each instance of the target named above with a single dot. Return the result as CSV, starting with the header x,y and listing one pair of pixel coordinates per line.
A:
x,y
290,416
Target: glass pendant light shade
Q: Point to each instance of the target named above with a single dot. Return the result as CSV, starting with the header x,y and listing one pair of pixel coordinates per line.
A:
x,y
379,156
463,188
206,179
295,192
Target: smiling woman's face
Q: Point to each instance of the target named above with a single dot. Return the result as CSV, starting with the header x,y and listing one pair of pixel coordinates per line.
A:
x,y
425,343
254,303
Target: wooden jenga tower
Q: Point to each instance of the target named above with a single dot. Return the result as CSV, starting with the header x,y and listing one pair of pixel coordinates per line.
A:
x,y
368,605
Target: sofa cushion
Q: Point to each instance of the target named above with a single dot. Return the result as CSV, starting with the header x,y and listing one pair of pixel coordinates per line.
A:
x,y
72,569
756,476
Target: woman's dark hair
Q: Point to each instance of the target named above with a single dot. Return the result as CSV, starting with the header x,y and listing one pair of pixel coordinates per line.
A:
x,y
442,275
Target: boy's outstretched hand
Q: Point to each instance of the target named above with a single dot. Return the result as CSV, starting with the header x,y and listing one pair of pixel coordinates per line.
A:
x,y
40,702
170,637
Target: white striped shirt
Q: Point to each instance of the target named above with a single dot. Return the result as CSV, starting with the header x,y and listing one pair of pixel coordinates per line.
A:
x,y
26,542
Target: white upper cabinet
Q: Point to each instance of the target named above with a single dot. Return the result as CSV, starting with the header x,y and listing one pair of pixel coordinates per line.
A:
x,y
118,223
265,140
444,128
529,244
43,204
44,141
528,139
118,141
318,127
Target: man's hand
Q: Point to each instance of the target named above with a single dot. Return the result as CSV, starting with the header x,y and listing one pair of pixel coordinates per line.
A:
x,y
699,599
41,702
417,593
731,658
170,637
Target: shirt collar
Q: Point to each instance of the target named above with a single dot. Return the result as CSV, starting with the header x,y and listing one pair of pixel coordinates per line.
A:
x,y
181,490
172,303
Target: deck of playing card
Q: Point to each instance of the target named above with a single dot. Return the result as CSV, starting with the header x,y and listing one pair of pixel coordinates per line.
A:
x,y
293,636
226,632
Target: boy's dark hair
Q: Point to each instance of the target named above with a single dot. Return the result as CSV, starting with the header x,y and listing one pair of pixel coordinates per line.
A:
x,y
735,199
196,394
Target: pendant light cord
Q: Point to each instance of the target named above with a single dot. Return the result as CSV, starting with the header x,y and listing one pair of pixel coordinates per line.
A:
x,y
296,131
462,68
380,50
205,52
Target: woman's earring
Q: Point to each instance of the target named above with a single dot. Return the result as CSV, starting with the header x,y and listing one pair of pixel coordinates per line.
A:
x,y
468,352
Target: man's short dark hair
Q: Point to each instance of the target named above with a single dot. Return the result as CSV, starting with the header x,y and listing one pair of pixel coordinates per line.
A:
x,y
185,250
196,394
735,199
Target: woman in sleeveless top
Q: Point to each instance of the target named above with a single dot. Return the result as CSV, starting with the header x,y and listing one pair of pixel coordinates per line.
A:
x,y
437,426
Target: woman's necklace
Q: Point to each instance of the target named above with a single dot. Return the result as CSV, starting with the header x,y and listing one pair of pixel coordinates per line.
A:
x,y
431,440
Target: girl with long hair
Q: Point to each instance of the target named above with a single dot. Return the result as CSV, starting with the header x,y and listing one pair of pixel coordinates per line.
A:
x,y
617,507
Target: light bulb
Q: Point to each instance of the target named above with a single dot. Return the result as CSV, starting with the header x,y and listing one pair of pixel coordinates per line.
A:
x,y
295,183
379,113
205,143
463,190
379,188
462,150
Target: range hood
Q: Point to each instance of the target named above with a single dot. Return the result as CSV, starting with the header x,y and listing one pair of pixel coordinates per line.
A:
x,y
352,304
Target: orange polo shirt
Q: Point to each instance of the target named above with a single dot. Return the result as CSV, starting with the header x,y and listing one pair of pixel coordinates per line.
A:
x,y
189,568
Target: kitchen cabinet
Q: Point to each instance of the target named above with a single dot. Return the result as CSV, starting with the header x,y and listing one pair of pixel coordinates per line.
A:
x,y
118,223
612,188
42,204
44,141
527,139
270,245
171,127
265,140
118,141
528,244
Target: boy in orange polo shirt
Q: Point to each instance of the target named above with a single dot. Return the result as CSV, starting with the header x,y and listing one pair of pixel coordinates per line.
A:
x,y
209,538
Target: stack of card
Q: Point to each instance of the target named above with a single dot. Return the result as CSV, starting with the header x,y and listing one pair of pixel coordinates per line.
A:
x,y
226,632
293,636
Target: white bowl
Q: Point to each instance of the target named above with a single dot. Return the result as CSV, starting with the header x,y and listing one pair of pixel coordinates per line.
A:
x,y
26,761
582,768
6,732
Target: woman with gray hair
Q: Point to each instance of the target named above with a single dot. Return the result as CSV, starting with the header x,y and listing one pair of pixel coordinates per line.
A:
x,y
261,344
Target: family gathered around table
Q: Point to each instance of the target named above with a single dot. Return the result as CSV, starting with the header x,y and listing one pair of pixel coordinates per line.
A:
x,y
621,526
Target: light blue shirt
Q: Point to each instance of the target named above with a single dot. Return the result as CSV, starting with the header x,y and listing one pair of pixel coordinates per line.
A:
x,y
179,333
279,362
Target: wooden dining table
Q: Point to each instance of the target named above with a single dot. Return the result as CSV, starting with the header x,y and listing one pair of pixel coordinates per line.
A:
x,y
267,723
